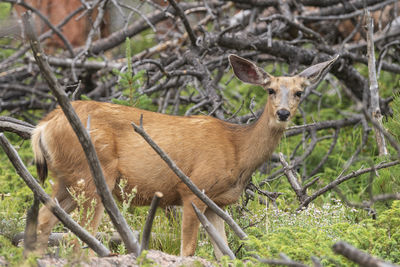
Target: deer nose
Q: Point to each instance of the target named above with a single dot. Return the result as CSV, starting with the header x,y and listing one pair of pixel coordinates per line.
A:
x,y
283,114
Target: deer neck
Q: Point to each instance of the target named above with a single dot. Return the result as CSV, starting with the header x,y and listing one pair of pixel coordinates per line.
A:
x,y
259,140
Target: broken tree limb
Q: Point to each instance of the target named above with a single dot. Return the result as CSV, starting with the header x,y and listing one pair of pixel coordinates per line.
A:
x,y
23,129
342,179
374,88
296,186
31,182
94,164
228,219
144,245
213,233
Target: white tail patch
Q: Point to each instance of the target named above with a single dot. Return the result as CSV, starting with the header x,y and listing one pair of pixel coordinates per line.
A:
x,y
37,144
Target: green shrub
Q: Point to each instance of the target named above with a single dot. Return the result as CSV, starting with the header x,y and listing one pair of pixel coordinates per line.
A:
x,y
312,232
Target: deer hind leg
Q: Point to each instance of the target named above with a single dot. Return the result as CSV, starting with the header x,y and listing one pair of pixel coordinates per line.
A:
x,y
220,227
190,225
46,219
91,212
93,208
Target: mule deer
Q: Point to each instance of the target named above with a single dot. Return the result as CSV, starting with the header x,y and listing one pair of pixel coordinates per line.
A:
x,y
218,156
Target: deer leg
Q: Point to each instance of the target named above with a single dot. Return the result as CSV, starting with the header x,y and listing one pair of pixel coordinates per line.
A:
x,y
92,213
93,208
190,225
220,227
46,219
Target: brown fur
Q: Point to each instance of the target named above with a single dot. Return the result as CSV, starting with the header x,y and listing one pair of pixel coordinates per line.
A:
x,y
219,157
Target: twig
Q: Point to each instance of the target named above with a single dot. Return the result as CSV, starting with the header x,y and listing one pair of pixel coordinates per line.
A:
x,y
89,39
47,22
117,4
389,137
206,82
325,158
21,128
190,184
94,164
23,172
295,24
342,179
185,21
346,16
149,221
213,233
301,195
42,37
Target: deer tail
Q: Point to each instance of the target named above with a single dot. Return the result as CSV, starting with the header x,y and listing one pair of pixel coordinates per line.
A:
x,y
39,153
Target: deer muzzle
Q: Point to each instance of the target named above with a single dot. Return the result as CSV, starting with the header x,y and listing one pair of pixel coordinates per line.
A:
x,y
283,114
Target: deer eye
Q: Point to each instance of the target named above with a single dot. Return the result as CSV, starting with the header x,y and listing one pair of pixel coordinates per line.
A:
x,y
271,91
298,94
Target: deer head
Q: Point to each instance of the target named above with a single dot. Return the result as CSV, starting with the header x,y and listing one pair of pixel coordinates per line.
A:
x,y
284,92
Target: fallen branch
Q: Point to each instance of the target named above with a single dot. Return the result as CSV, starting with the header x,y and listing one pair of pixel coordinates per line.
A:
x,y
373,87
296,186
31,182
144,245
23,129
239,232
94,164
342,179
213,233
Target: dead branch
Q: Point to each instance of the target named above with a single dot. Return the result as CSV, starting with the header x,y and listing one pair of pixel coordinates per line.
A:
x,y
213,233
225,216
84,138
48,23
23,129
50,204
144,245
342,179
300,192
373,87
185,21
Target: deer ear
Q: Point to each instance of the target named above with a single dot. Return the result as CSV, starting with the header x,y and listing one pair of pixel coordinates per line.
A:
x,y
314,73
247,71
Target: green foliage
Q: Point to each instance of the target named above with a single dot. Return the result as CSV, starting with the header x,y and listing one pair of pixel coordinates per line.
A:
x,y
142,260
11,253
129,84
15,196
312,232
393,123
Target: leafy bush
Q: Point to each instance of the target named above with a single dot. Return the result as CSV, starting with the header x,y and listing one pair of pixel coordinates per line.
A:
x,y
312,232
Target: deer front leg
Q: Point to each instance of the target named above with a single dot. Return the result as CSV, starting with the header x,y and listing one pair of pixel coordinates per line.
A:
x,y
219,225
190,226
